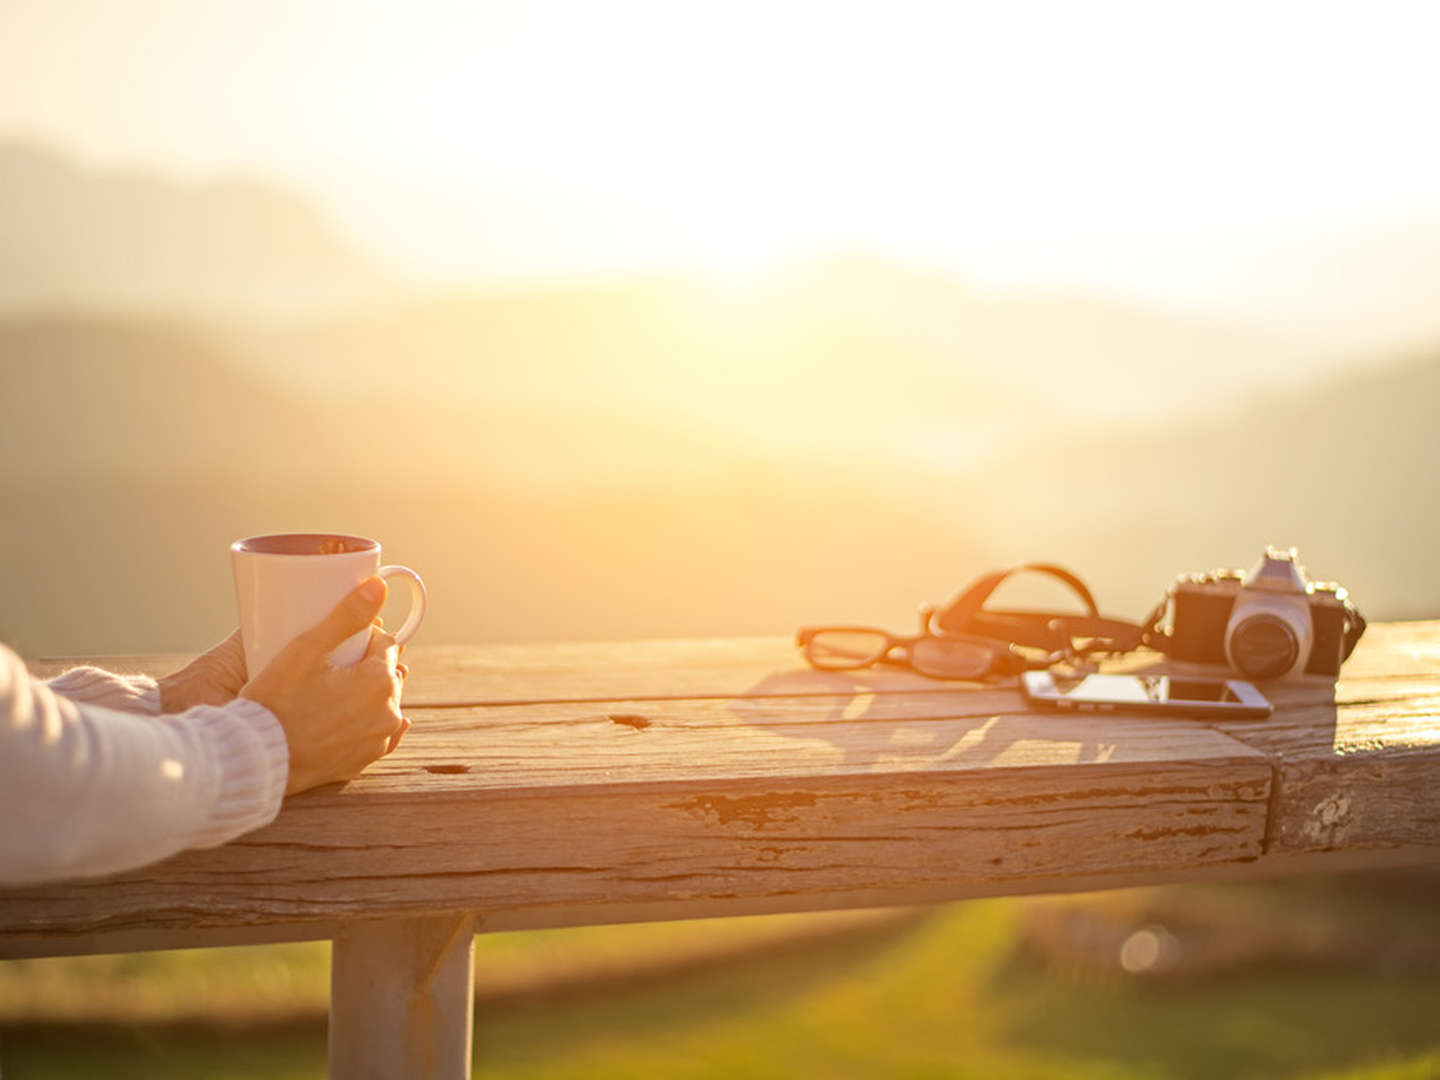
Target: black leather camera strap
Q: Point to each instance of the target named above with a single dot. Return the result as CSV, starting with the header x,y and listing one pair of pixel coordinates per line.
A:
x,y
1081,635
1055,631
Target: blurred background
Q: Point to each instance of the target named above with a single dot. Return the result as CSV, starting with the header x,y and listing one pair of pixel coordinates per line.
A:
x,y
641,319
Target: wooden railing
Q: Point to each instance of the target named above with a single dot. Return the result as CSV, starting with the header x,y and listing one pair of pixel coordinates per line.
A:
x,y
562,785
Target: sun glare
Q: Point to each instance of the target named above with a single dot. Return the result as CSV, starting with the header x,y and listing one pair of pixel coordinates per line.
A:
x,y
1123,146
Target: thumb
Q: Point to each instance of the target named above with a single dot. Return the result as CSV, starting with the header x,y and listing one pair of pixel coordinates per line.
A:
x,y
352,615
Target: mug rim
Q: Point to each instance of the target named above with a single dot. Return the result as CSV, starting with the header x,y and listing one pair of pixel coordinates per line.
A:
x,y
365,545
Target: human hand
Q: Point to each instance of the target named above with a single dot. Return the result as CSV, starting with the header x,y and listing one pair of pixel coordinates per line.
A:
x,y
212,678
336,720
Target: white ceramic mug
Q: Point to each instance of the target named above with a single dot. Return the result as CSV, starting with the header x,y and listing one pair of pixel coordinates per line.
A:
x,y
287,583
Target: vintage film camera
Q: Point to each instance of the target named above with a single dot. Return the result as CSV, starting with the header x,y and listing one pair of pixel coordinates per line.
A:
x,y
1271,623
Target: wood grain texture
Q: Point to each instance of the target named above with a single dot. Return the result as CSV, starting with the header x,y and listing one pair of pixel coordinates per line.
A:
x,y
668,846
1390,649
1357,764
566,810
559,785
1271,865
1361,775
595,744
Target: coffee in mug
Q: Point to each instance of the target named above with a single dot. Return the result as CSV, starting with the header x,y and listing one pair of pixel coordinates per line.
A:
x,y
287,583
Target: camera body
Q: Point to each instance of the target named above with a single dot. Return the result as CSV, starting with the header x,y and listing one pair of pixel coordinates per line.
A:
x,y
1270,623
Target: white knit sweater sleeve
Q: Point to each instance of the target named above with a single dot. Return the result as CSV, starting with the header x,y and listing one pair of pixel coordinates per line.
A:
x,y
95,686
86,789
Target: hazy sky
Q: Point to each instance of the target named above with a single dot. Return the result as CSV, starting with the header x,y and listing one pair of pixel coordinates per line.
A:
x,y
1136,146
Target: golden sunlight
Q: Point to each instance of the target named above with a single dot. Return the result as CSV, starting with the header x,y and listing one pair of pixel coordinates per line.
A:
x,y
1121,148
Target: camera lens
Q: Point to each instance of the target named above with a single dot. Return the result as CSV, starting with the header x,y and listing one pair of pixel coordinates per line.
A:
x,y
1264,646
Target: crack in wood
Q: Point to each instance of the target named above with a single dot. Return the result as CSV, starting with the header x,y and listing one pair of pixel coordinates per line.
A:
x,y
435,875
1194,830
757,811
631,720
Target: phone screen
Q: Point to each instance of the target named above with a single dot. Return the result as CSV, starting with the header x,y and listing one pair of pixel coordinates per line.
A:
x,y
1147,693
1146,688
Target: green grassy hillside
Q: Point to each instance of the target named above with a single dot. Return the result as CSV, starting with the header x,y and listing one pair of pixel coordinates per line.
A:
x,y
964,991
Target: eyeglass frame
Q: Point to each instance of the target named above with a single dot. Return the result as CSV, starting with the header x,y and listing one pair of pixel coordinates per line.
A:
x,y
1005,658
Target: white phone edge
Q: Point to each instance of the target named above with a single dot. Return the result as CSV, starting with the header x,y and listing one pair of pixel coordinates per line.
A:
x,y
1039,687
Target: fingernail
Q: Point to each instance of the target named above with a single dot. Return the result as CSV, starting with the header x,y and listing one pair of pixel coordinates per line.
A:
x,y
373,589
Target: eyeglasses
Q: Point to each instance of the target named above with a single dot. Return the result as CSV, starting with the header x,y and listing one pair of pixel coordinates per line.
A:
x,y
940,656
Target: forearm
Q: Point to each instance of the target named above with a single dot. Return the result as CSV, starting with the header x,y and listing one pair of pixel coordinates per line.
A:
x,y
88,790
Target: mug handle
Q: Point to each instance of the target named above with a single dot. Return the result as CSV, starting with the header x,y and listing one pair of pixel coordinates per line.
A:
x,y
417,600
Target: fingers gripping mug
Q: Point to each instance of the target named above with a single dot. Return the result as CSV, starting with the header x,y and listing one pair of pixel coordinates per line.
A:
x,y
287,583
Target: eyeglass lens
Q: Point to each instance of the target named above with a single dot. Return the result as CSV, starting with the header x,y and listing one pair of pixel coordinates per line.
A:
x,y
840,649
944,658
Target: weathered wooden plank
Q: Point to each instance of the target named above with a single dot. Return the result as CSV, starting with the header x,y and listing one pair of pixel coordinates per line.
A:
x,y
586,818
1352,776
1268,866
710,667
623,799
671,846
1356,763
1401,648
599,744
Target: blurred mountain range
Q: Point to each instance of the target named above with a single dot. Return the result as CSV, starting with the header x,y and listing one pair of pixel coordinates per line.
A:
x,y
72,236
1341,470
703,455
134,452
842,359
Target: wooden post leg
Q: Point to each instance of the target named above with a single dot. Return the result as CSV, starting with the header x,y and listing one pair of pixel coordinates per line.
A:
x,y
402,998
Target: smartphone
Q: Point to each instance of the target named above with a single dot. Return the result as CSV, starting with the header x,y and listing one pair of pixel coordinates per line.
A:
x,y
1175,695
